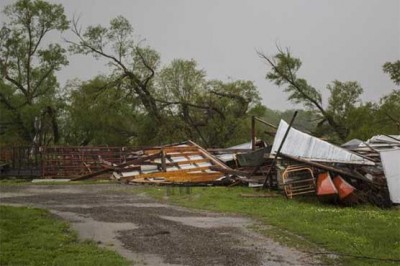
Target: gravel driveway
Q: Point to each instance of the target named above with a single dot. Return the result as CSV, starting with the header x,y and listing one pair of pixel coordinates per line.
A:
x,y
149,233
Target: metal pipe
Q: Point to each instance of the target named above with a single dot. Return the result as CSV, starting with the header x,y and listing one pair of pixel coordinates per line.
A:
x,y
266,123
268,176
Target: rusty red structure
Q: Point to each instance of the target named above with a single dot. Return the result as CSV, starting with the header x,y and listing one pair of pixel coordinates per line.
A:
x,y
59,161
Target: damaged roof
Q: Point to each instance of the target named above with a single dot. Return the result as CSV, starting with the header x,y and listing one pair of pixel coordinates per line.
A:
x,y
187,162
305,146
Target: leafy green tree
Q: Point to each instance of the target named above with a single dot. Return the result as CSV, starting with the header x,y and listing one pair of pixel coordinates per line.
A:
x,y
210,112
28,65
180,88
362,122
133,66
389,113
389,109
237,101
393,69
343,95
344,98
99,113
174,103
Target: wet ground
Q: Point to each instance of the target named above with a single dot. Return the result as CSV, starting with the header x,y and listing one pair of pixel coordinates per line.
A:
x,y
149,233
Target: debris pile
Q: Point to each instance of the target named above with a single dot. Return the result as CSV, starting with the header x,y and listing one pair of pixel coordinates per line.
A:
x,y
296,163
356,172
183,163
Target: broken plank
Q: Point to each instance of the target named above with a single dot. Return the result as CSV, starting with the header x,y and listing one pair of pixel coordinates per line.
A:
x,y
200,177
183,177
168,173
209,155
230,171
104,171
172,149
184,162
327,167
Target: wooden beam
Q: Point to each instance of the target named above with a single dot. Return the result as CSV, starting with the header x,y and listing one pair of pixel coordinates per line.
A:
x,y
327,167
189,162
183,154
171,149
169,173
183,177
104,171
228,150
230,171
209,155
265,123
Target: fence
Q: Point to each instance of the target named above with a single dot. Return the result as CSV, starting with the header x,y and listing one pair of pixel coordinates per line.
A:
x,y
59,161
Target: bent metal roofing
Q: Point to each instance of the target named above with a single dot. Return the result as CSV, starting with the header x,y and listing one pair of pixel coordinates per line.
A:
x,y
305,146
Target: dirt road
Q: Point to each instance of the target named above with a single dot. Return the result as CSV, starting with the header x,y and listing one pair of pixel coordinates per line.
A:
x,y
149,233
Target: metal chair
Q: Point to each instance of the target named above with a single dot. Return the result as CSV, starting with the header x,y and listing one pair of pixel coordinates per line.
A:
x,y
298,180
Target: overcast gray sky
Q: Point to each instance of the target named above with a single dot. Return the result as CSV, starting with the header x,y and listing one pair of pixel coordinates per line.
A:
x,y
341,39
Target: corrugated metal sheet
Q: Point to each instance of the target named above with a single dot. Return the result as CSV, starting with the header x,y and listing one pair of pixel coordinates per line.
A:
x,y
391,167
299,144
226,157
394,139
352,143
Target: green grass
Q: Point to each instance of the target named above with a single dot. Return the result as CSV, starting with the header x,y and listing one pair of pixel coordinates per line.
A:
x,y
31,236
362,231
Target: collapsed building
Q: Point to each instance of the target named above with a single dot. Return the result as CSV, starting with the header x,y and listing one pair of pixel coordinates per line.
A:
x,y
296,163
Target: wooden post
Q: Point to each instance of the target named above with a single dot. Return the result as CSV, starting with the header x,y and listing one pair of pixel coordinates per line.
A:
x,y
269,176
253,133
163,163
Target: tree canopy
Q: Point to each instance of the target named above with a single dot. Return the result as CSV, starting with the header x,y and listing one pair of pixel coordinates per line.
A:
x,y
393,69
343,103
140,101
28,66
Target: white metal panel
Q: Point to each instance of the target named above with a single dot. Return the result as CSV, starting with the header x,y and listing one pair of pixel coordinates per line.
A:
x,y
391,167
178,159
246,145
299,144
149,168
226,157
195,157
395,139
204,164
127,174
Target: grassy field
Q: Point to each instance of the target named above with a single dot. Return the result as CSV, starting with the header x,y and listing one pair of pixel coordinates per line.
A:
x,y
31,236
354,233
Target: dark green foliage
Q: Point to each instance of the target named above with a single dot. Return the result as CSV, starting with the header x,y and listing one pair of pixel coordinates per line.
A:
x,y
28,85
99,113
393,69
346,116
213,113
139,103
284,73
388,114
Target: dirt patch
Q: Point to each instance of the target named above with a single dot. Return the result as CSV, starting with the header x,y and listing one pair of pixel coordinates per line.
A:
x,y
147,232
